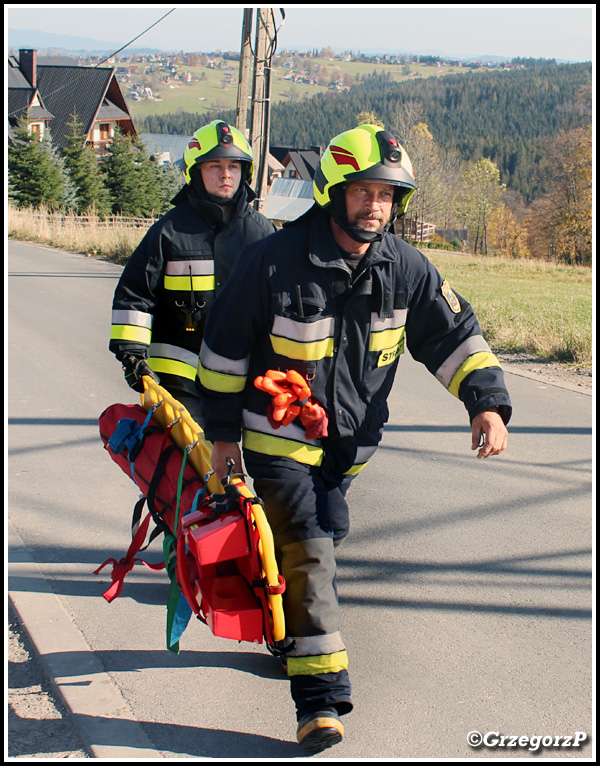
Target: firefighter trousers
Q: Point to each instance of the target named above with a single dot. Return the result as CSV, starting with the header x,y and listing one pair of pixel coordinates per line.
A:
x,y
308,515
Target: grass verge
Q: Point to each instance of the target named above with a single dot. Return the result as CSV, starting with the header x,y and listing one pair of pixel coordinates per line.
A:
x,y
538,307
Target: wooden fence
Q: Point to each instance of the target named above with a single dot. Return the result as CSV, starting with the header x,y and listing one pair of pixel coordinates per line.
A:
x,y
87,221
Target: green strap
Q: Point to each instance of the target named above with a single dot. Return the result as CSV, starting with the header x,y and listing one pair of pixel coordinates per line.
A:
x,y
170,557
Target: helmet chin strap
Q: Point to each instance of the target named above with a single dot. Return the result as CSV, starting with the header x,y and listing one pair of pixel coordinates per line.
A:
x,y
340,216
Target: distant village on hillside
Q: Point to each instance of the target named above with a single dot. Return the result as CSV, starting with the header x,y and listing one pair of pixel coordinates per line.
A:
x,y
302,66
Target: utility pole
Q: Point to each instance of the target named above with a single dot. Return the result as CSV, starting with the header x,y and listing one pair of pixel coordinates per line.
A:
x,y
258,65
261,102
245,70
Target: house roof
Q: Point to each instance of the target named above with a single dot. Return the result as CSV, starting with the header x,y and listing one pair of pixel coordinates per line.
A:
x,y
15,78
22,99
305,161
92,93
67,89
158,143
288,199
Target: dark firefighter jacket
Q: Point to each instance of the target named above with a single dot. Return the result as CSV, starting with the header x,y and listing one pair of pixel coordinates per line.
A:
x,y
292,302
170,282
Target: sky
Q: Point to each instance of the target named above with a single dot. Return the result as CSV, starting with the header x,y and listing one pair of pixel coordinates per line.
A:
x,y
563,32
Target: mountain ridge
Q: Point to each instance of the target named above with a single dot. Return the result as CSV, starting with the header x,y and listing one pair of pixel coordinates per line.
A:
x,y
52,42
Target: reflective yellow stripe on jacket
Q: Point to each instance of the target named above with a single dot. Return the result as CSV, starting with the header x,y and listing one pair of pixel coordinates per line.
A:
x,y
219,373
135,326
387,336
172,360
473,354
287,441
307,341
198,275
363,455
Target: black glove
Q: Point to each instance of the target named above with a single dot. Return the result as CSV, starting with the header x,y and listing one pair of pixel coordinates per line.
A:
x,y
134,368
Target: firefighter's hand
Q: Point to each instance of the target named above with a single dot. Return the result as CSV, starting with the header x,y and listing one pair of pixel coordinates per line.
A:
x,y
490,435
222,451
134,368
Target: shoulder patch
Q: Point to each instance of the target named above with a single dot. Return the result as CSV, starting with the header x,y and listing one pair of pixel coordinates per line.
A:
x,y
450,297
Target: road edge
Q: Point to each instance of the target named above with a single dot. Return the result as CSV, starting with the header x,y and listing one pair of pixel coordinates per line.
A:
x,y
97,708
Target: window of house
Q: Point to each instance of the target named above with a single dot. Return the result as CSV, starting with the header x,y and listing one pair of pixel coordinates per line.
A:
x,y
36,131
104,131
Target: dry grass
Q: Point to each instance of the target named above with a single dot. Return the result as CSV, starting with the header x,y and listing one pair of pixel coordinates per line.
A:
x,y
524,305
115,242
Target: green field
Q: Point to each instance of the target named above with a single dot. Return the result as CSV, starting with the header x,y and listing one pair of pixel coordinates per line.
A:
x,y
534,306
202,96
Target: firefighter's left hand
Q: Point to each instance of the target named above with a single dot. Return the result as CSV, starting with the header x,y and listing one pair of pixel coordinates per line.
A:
x,y
490,435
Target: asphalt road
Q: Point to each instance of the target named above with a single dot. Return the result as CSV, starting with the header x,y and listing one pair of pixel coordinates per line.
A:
x,y
465,584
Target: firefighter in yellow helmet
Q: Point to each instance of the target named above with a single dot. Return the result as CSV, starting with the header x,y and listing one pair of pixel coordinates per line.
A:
x,y
166,289
334,296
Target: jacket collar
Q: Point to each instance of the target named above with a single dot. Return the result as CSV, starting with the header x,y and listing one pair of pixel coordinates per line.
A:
x,y
325,252
210,210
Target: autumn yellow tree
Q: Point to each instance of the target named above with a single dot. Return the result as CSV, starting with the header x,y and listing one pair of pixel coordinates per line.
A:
x,y
507,233
369,118
561,220
425,157
481,195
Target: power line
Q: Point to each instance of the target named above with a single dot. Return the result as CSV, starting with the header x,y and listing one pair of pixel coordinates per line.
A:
x,y
74,80
135,38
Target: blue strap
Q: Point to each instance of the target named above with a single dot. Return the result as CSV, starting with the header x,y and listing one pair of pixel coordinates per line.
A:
x,y
128,437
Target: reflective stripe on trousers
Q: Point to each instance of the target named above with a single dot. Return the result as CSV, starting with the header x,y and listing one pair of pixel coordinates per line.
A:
x,y
307,514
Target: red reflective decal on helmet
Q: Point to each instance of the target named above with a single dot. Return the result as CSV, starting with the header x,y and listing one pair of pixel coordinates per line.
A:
x,y
343,157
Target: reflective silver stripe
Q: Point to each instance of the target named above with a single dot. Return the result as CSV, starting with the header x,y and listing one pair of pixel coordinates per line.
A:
x,y
260,423
467,348
310,646
136,318
167,351
182,268
365,453
217,363
305,332
391,323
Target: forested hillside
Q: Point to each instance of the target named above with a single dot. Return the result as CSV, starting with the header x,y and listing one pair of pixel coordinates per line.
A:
x,y
504,116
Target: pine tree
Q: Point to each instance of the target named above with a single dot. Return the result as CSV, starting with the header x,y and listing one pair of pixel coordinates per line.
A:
x,y
148,179
84,172
170,182
36,174
131,178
